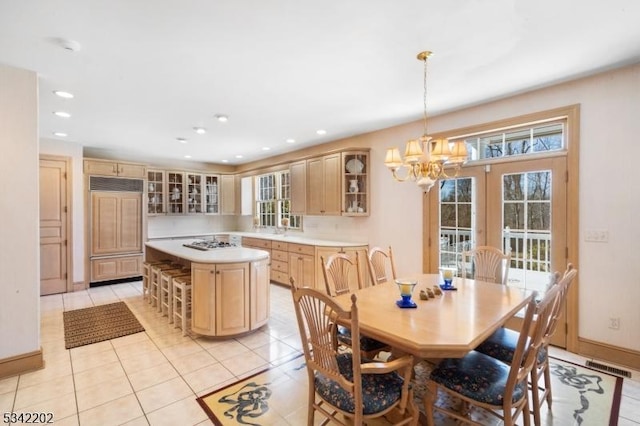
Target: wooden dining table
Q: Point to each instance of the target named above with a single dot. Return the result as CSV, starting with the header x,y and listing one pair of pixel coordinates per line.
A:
x,y
447,326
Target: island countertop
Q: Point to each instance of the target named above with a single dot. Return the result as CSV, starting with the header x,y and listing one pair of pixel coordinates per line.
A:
x,y
218,255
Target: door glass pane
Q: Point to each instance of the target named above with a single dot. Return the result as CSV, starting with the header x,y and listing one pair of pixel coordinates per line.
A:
x,y
526,202
456,220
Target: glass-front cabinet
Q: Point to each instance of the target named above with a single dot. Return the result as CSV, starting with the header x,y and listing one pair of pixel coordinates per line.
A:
x,y
155,192
211,198
175,192
355,183
194,193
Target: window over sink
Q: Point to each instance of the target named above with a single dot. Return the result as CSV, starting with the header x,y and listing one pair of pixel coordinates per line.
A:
x,y
273,202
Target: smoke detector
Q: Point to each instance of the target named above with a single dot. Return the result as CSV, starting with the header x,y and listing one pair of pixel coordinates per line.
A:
x,y
70,45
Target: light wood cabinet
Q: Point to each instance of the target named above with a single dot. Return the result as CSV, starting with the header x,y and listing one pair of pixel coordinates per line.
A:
x,y
298,179
229,298
116,222
355,183
113,168
228,194
193,194
175,192
211,194
111,268
324,179
155,192
302,263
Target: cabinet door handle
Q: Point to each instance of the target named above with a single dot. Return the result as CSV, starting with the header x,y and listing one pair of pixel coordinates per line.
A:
x,y
218,272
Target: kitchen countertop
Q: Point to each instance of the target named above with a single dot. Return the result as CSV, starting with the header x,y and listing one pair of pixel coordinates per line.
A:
x,y
289,238
218,255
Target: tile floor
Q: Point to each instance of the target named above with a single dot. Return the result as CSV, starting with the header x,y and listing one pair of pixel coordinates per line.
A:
x,y
153,378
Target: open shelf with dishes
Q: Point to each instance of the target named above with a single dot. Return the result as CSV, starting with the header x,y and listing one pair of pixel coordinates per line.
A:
x,y
355,183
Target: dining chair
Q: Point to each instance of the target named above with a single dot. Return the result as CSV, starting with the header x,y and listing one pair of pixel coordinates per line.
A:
x,y
486,263
338,272
378,260
488,383
342,386
502,345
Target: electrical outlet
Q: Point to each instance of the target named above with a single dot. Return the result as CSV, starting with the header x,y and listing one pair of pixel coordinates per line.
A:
x,y
596,235
614,323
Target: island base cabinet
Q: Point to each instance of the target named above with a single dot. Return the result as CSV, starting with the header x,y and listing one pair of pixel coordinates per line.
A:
x,y
229,298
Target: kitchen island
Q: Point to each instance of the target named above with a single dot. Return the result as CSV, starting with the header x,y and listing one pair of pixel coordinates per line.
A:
x,y
230,285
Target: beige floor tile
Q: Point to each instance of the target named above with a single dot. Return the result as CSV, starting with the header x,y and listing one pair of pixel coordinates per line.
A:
x,y
97,375
181,350
227,349
163,394
140,421
245,363
152,376
67,421
60,405
186,411
83,351
208,377
83,363
626,422
630,408
144,360
274,351
116,412
631,388
136,338
173,338
136,348
102,393
9,384
32,395
52,370
6,401
255,340
193,361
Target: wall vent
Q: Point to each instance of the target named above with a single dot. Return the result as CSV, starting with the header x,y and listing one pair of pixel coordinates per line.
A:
x,y
609,369
100,183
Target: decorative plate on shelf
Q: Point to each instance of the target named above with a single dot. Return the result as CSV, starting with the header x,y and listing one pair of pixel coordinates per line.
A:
x,y
354,166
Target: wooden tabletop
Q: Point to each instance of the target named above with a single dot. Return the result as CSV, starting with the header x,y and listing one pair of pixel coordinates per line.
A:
x,y
448,326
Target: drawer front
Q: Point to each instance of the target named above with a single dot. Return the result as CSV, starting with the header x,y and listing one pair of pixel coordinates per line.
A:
x,y
256,242
280,277
112,268
282,256
280,245
276,265
302,249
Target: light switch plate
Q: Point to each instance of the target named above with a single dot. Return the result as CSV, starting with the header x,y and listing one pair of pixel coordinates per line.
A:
x,y
596,235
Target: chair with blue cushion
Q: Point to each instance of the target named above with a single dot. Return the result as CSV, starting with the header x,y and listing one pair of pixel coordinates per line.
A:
x,y
502,345
486,263
488,383
342,275
343,387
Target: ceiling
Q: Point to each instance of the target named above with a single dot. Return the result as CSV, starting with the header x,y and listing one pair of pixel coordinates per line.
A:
x,y
147,72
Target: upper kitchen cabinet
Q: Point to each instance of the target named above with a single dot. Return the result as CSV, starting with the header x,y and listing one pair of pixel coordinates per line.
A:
x,y
194,193
355,183
115,168
155,192
175,192
298,179
228,194
211,195
324,185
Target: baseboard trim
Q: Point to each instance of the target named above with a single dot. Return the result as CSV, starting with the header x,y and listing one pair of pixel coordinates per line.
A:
x,y
609,353
22,363
79,285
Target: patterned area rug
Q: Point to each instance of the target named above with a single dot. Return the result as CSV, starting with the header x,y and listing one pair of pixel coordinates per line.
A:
x,y
581,396
98,323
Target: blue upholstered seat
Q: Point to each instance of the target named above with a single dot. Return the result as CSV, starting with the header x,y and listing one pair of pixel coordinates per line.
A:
x,y
502,345
477,376
379,391
367,344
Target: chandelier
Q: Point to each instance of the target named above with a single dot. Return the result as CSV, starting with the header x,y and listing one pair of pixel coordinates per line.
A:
x,y
425,158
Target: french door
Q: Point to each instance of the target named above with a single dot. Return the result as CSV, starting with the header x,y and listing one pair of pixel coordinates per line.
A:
x,y
518,206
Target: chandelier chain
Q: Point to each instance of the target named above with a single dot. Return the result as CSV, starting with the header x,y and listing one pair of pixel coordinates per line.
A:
x,y
424,95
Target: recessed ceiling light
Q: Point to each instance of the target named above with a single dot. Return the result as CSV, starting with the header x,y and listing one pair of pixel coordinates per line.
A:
x,y
200,130
265,148
60,134
321,132
238,156
291,140
222,118
62,114
225,161
187,156
63,94
181,140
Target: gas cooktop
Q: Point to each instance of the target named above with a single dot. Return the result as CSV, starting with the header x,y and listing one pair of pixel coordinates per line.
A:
x,y
208,245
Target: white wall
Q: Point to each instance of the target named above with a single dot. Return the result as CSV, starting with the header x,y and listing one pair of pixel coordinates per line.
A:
x,y
73,151
19,242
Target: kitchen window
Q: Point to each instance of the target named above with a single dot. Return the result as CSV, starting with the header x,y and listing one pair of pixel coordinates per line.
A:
x,y
273,204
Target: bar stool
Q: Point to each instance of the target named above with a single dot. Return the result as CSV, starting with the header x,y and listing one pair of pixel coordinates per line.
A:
x,y
165,289
154,282
181,302
146,275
